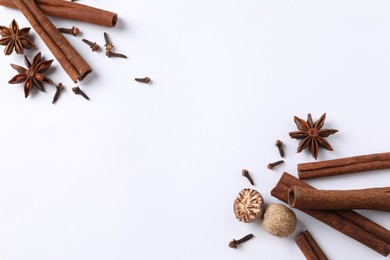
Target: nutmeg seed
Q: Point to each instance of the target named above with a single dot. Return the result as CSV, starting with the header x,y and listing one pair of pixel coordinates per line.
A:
x,y
279,220
248,206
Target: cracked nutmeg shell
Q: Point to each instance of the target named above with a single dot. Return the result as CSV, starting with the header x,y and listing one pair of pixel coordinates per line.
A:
x,y
248,206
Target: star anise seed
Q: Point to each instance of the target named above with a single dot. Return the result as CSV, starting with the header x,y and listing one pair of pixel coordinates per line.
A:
x,y
13,38
32,76
311,134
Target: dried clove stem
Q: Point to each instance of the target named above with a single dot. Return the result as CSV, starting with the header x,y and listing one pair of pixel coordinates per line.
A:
x,y
78,91
234,243
246,174
74,30
60,88
279,144
274,164
94,46
143,80
114,54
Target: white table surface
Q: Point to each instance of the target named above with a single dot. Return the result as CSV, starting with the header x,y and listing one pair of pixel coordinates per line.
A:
x,y
151,171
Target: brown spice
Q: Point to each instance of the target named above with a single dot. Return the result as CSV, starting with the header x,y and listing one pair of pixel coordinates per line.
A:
x,y
60,88
309,246
234,243
94,46
279,145
248,206
143,80
32,75
72,11
372,199
347,222
271,166
78,91
15,38
246,174
312,134
74,30
72,62
362,163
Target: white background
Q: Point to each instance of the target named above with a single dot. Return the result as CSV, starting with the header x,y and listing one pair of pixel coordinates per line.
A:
x,y
151,171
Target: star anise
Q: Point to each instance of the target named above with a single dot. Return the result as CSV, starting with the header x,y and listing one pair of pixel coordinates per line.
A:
x,y
312,135
14,38
32,76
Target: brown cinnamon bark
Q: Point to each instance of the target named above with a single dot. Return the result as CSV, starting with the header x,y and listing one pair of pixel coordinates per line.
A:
x,y
72,11
309,247
347,222
306,198
347,165
71,61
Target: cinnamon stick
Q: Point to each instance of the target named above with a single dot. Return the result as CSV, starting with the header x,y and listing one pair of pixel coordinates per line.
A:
x,y
347,222
306,198
309,247
71,61
347,165
72,11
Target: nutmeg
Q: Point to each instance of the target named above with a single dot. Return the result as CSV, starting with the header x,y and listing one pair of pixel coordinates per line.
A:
x,y
248,206
279,220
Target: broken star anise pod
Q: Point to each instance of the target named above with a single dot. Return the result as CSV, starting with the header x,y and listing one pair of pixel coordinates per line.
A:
x,y
32,76
312,135
13,38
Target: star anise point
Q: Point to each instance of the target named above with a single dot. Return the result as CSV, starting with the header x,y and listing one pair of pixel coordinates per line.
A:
x,y
33,75
15,38
312,135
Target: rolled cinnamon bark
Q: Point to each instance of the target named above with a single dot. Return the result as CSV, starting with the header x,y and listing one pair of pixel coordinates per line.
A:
x,y
341,166
72,11
309,247
373,199
347,222
70,60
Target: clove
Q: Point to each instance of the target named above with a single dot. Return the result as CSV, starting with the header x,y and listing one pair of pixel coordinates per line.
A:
x,y
78,91
114,54
234,243
109,46
274,164
246,174
60,88
143,80
94,46
74,30
279,144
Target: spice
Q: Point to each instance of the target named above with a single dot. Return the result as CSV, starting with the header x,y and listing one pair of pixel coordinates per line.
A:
x,y
94,46
15,38
73,11
109,46
279,145
143,80
362,163
347,222
60,88
234,243
78,91
278,220
74,30
71,61
312,134
309,246
271,166
248,206
33,75
246,174
372,199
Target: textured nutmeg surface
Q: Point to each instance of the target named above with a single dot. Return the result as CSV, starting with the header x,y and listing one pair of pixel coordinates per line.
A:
x,y
279,220
248,206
